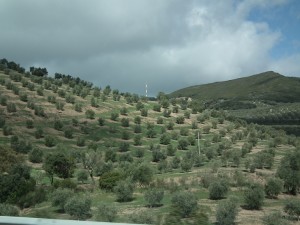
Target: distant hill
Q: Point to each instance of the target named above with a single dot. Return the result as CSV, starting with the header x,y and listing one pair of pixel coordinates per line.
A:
x,y
269,86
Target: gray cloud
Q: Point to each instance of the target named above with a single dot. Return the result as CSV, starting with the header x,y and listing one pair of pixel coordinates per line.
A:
x,y
168,44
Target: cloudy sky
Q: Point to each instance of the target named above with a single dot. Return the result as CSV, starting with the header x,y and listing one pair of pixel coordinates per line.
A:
x,y
168,44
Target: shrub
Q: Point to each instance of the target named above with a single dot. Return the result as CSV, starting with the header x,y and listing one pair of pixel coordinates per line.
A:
x,y
23,97
254,196
274,218
39,133
2,121
101,121
182,144
78,207
226,212
39,111
106,212
68,133
7,130
125,122
29,124
123,111
78,107
114,116
273,187
8,210
60,196
50,141
144,112
218,189
154,197
11,107
157,107
59,106
292,208
82,176
80,141
90,114
36,155
137,129
180,120
184,203
3,100
165,139
109,180
124,191
58,125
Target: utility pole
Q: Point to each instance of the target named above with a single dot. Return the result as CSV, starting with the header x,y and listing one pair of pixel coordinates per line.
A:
x,y
199,143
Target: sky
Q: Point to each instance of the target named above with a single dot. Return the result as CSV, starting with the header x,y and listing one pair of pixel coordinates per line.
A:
x,y
166,44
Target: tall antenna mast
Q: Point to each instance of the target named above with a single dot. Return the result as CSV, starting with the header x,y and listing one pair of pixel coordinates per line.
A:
x,y
146,89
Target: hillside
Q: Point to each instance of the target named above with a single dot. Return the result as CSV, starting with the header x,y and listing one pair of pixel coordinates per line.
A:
x,y
71,150
269,86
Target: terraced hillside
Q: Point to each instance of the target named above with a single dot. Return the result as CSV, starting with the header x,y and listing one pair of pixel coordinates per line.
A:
x,y
71,150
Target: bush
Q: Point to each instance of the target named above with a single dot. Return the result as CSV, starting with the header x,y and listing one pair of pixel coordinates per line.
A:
x,y
275,218
114,116
292,208
39,111
58,125
107,213
109,180
50,141
180,120
90,114
184,203
125,122
29,124
59,106
8,210
144,112
227,211
68,133
11,107
82,176
36,155
39,133
78,207
101,121
7,130
154,197
78,107
2,121
182,144
218,189
165,139
273,187
60,196
80,142
23,97
3,100
254,196
124,191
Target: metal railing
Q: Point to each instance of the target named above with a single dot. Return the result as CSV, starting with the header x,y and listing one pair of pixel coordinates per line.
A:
x,y
10,220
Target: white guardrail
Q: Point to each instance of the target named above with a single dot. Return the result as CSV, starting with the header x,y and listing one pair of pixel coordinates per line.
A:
x,y
10,220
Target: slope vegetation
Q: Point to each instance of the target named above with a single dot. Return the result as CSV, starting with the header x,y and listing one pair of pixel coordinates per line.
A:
x,y
69,150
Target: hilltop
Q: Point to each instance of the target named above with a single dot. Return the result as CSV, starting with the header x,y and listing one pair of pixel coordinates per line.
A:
x,y
268,86
72,150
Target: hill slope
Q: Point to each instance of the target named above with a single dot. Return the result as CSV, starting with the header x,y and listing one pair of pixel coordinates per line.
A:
x,y
83,143
264,86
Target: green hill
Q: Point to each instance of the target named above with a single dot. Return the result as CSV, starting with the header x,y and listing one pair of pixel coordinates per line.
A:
x,y
269,86
70,150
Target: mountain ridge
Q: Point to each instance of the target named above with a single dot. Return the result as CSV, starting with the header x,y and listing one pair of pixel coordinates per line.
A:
x,y
263,86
